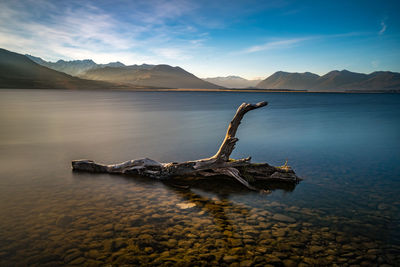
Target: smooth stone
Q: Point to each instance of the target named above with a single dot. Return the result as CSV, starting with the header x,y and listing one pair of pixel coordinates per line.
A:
x,y
72,256
273,259
235,242
283,218
165,254
109,245
366,263
108,227
186,205
370,257
284,247
330,258
94,254
289,263
148,250
120,243
347,247
316,249
373,251
190,235
78,261
171,243
279,233
220,243
230,258
237,251
64,220
119,227
382,206
108,234
93,263
246,263
145,236
249,241
370,245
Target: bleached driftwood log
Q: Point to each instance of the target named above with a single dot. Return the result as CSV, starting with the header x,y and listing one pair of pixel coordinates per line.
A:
x,y
220,164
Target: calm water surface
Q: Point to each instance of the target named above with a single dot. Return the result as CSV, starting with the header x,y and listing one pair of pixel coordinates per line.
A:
x,y
345,212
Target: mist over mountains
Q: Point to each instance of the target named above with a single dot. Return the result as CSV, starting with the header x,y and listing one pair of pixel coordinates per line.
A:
x,y
26,71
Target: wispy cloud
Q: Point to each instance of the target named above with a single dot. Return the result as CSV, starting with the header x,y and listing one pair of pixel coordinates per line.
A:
x,y
78,30
274,45
292,42
383,27
172,53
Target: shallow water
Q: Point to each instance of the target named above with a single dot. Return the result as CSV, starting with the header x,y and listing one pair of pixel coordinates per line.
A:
x,y
345,212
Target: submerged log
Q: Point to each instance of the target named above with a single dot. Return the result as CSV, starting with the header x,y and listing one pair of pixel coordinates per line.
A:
x,y
220,164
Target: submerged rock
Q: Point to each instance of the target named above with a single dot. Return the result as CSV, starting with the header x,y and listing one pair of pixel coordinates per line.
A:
x,y
64,220
230,259
72,255
283,218
186,205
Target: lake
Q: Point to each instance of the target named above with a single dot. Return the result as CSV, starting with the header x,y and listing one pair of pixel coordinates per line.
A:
x,y
346,211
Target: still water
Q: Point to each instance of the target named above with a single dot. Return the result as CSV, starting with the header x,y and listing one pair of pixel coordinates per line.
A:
x,y
346,211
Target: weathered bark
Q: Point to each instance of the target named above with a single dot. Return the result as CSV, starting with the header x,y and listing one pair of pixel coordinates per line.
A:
x,y
220,164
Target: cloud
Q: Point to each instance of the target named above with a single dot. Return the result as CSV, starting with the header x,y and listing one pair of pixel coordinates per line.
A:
x,y
383,27
291,42
285,43
78,30
172,53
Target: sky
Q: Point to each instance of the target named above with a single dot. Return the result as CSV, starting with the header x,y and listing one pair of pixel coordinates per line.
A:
x,y
251,39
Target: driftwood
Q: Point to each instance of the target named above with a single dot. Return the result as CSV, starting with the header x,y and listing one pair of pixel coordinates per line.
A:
x,y
220,164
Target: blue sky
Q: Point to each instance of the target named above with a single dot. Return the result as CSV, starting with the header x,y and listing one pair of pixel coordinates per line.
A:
x,y
210,38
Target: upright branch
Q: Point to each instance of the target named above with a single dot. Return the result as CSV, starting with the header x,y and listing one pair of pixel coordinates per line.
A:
x,y
220,164
228,145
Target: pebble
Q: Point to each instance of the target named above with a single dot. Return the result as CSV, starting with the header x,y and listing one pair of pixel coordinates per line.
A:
x,y
64,220
246,263
230,259
73,255
186,205
283,218
289,263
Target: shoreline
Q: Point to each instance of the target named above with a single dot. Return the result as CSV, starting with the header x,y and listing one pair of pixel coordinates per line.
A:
x,y
211,90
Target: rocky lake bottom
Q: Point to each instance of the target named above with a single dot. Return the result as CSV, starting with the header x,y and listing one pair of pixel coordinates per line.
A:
x,y
148,223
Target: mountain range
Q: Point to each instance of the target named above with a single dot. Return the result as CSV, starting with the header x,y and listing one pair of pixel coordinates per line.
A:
x,y
233,82
335,81
18,71
150,75
160,76
74,67
26,71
